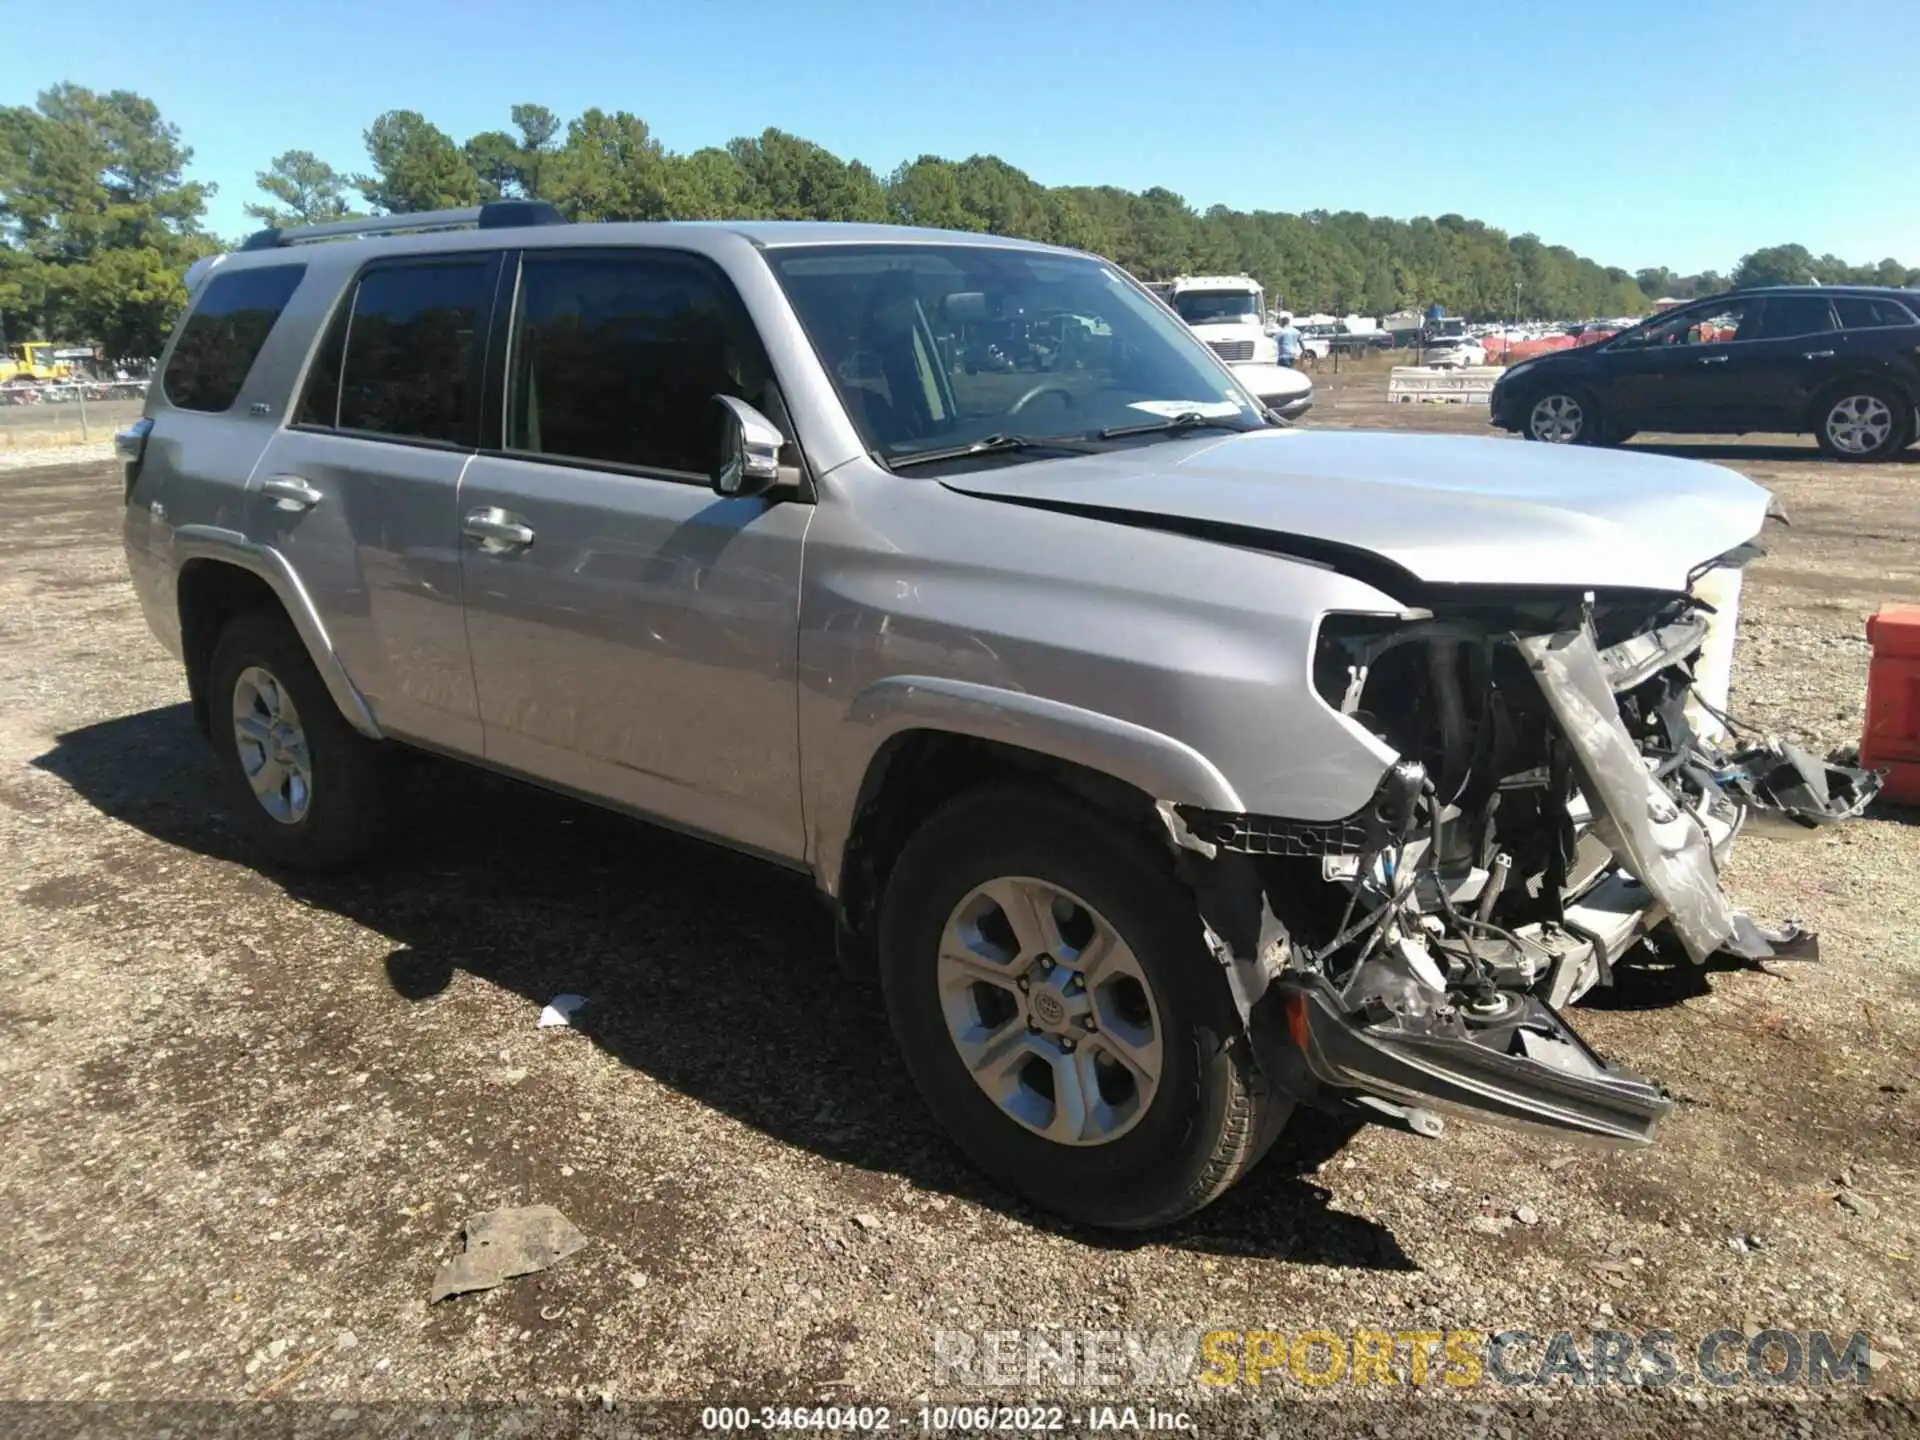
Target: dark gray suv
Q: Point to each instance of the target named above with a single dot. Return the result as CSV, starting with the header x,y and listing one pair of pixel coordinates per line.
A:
x,y
1167,768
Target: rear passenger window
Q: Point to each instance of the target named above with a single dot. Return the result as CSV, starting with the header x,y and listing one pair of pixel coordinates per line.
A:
x,y
1862,312
410,362
223,335
1784,316
616,359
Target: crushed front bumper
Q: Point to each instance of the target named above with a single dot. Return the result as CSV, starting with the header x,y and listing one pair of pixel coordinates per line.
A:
x,y
1432,995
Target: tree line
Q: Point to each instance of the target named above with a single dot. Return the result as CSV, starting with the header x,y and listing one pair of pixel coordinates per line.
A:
x,y
98,222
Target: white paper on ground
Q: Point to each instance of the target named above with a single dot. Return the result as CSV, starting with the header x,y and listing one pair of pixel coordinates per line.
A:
x,y
561,1010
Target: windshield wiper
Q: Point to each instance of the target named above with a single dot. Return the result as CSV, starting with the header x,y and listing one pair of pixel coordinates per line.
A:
x,y
991,445
1186,420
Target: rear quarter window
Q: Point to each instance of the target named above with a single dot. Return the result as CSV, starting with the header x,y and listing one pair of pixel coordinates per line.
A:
x,y
229,323
1865,312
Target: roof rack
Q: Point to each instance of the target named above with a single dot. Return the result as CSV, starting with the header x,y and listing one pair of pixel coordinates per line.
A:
x,y
498,215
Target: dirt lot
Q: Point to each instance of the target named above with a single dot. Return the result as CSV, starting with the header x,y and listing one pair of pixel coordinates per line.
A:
x,y
245,1115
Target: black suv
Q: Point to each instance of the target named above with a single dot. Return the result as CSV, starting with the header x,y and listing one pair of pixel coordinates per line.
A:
x,y
1841,361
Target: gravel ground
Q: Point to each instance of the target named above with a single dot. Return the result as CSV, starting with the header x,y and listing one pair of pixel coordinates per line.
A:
x,y
245,1115
34,457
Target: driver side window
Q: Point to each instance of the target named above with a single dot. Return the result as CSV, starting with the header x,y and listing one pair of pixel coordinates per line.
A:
x,y
616,358
1702,325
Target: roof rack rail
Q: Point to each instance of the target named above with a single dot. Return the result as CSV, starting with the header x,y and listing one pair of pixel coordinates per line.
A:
x,y
498,215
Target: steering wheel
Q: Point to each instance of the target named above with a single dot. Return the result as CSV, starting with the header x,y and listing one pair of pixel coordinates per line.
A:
x,y
1045,387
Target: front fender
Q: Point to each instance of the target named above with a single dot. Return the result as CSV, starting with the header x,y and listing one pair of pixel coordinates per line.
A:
x,y
1155,764
230,547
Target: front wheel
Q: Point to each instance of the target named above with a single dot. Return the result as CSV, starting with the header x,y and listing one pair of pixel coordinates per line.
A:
x,y
1565,417
1046,980
1865,420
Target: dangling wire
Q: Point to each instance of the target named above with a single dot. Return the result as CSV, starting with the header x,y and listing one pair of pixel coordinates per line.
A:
x,y
1737,727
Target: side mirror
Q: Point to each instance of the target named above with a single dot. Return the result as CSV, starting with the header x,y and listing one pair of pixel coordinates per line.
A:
x,y
749,461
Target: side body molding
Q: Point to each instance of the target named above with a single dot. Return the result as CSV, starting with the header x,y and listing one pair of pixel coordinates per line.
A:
x,y
1158,765
230,547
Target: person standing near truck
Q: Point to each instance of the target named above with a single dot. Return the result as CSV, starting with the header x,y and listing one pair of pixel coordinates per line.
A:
x,y
1286,338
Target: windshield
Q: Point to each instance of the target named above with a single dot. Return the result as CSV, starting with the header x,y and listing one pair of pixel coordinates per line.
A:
x,y
933,347
1211,307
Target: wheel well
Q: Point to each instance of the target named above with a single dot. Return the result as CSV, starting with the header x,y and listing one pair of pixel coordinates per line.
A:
x,y
211,594
1578,388
1823,397
915,773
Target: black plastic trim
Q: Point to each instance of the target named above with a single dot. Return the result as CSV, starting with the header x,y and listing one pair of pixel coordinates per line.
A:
x,y
518,214
494,215
1272,835
1463,1074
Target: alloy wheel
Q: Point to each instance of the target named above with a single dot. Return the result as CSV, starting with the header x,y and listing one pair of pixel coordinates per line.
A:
x,y
1859,424
1557,419
1050,1011
272,745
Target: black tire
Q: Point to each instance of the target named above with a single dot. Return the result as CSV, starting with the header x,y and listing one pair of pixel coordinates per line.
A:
x,y
1899,433
1212,1115
345,811
1592,423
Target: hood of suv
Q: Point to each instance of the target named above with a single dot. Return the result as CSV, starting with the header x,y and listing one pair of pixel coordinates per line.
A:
x,y
1449,510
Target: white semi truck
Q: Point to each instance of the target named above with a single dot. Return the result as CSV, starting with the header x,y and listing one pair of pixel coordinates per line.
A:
x,y
1229,312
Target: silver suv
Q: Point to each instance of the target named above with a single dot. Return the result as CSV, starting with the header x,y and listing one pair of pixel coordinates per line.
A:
x,y
1171,768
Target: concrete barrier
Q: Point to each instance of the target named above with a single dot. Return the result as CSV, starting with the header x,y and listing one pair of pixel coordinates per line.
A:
x,y
1464,385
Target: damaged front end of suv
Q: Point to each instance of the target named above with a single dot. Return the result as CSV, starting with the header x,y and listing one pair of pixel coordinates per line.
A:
x,y
1563,791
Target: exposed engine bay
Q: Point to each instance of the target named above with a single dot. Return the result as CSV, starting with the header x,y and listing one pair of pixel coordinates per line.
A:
x,y
1564,792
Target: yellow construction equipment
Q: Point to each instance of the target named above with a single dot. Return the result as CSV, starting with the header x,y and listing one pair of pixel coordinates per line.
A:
x,y
36,360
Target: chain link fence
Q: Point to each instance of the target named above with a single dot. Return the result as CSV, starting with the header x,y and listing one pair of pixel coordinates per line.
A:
x,y
66,412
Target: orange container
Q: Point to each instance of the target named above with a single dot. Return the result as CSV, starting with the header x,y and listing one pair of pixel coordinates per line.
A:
x,y
1891,740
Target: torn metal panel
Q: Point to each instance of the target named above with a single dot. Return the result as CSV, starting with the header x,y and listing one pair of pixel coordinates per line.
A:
x,y
1639,658
1664,846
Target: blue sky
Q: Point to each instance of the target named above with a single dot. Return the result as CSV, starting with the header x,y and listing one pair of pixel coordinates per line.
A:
x,y
1682,133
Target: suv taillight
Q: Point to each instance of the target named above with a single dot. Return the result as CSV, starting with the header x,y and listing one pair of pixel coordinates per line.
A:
x,y
131,446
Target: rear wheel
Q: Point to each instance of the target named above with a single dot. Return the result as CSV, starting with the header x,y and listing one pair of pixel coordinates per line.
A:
x,y
1565,417
308,789
1864,420
1047,982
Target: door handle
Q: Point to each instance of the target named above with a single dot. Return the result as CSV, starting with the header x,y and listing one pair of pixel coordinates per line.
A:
x,y
1713,359
497,530
1818,355
290,492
